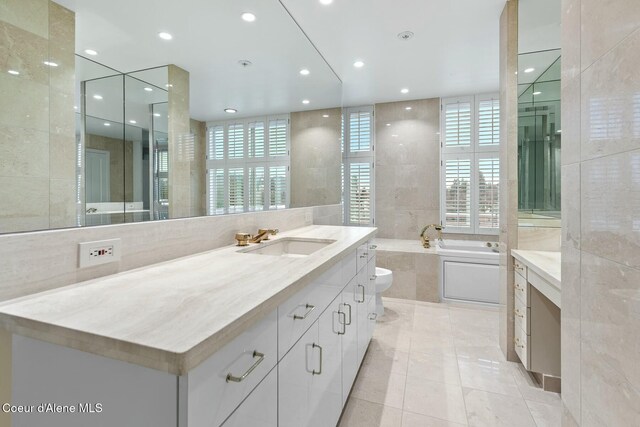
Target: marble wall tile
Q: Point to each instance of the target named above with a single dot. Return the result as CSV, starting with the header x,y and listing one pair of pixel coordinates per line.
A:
x,y
608,398
24,152
327,215
29,15
315,157
198,169
25,104
610,101
604,24
24,271
610,207
25,52
428,277
21,213
571,67
571,127
62,203
5,374
539,238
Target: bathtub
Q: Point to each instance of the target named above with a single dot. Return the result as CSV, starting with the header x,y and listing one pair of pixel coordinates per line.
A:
x,y
469,271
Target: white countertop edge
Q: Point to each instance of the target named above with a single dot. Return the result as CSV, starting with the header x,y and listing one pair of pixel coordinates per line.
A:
x,y
539,262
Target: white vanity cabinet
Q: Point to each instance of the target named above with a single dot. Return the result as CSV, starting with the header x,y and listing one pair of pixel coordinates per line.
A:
x,y
350,362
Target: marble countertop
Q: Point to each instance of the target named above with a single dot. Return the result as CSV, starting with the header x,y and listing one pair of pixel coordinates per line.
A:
x,y
174,315
546,264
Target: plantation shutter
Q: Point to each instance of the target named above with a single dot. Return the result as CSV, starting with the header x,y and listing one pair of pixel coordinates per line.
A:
x,y
457,197
278,187
489,123
256,139
216,143
457,124
278,136
216,191
488,192
236,190
360,193
360,130
256,188
235,138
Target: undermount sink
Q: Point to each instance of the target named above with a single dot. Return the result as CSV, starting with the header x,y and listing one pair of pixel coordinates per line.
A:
x,y
292,247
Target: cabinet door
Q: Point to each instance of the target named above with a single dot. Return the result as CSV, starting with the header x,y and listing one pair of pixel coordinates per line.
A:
x,y
327,385
260,408
371,278
296,380
350,360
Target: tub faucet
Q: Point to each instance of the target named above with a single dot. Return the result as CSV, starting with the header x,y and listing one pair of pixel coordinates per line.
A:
x,y
263,234
424,237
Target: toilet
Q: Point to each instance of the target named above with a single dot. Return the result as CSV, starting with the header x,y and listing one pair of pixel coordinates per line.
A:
x,y
384,278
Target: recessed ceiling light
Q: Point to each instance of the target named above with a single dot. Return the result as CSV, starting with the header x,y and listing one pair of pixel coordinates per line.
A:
x,y
148,89
90,52
305,101
326,116
165,36
394,135
50,64
529,70
559,131
156,114
75,107
305,72
168,85
388,124
133,122
326,2
230,110
405,91
14,72
107,124
98,97
537,93
407,108
248,16
358,64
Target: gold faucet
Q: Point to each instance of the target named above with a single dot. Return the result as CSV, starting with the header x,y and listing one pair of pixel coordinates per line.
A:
x,y
424,238
263,234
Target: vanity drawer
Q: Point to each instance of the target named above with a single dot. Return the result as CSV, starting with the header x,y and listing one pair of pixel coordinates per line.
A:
x,y
521,343
372,250
521,289
299,312
363,256
218,385
349,268
522,315
520,268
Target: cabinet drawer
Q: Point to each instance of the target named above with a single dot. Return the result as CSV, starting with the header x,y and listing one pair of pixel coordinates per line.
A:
x,y
219,384
372,250
260,408
371,278
521,289
299,312
520,268
349,268
363,256
522,315
521,343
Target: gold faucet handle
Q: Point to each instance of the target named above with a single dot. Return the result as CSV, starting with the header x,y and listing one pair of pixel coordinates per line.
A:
x,y
267,232
243,239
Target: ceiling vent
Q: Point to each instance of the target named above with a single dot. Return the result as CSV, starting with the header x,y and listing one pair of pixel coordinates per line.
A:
x,y
245,63
405,35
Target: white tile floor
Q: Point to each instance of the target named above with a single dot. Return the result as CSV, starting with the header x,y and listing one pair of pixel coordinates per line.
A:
x,y
440,365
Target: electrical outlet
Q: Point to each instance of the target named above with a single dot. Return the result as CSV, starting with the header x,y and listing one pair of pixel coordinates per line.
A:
x,y
99,252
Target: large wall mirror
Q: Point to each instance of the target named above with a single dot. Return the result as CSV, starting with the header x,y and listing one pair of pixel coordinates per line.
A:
x,y
539,113
105,122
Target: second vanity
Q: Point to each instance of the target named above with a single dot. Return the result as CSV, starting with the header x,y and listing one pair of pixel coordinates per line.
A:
x,y
537,304
270,335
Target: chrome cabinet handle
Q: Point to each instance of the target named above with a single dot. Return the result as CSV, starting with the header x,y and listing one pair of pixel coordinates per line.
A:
x,y
309,308
348,322
343,323
363,294
374,277
373,316
373,247
260,358
319,371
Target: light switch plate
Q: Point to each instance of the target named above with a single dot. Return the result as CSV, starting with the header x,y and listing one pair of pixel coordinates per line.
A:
x,y
99,252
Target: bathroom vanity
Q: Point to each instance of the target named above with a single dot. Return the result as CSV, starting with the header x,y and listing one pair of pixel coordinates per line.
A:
x,y
537,304
269,335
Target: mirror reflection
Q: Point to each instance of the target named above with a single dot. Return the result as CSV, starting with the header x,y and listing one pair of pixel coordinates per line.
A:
x,y
119,125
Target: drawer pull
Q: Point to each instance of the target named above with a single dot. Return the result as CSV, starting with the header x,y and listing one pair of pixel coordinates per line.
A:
x,y
518,287
259,358
373,316
309,308
373,247
374,277
517,311
319,371
516,341
343,323
363,294
348,322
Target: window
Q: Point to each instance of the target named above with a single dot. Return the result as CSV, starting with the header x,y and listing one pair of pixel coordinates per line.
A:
x,y
470,164
358,166
248,165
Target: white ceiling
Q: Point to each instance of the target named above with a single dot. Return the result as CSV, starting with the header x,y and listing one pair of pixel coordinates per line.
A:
x,y
455,49
209,40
